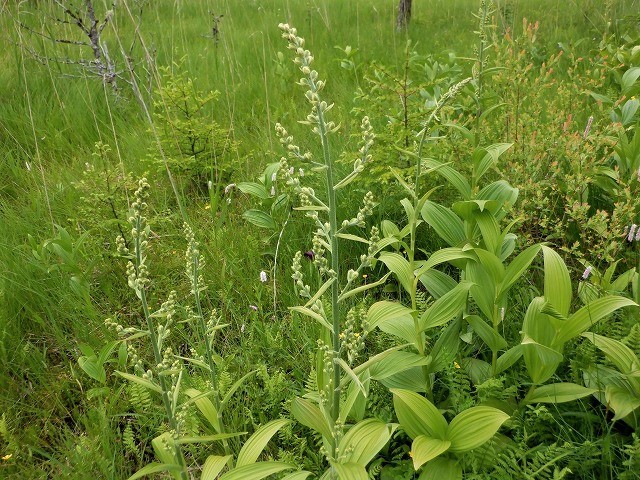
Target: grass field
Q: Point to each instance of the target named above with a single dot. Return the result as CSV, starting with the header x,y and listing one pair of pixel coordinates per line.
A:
x,y
543,94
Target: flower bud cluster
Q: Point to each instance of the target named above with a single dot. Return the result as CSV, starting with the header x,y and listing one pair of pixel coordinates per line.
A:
x,y
327,367
352,341
138,278
169,362
194,262
310,80
292,149
120,330
167,310
303,290
318,246
365,211
121,246
367,143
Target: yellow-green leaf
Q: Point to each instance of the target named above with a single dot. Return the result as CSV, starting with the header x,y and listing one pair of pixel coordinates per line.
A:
x,y
426,448
417,415
256,471
213,465
473,427
558,393
253,447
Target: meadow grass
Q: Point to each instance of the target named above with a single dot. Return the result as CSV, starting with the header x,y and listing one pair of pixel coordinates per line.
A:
x,y
52,115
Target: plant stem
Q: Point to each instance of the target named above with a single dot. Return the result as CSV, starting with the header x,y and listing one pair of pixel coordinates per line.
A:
x,y
157,354
335,261
209,354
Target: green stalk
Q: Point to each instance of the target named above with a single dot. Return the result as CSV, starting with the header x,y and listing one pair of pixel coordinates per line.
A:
x,y
335,259
209,356
157,354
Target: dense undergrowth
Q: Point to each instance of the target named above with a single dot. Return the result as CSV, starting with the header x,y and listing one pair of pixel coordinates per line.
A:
x,y
228,254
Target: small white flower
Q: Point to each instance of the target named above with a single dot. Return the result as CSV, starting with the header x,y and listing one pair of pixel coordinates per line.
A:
x,y
587,272
273,191
632,232
229,187
274,176
242,328
301,172
210,185
263,276
502,314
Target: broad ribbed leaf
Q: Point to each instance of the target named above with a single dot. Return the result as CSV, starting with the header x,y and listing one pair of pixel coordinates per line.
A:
x,y
256,471
446,223
473,427
517,267
446,255
93,368
213,465
310,416
350,471
446,347
402,327
155,468
441,469
400,267
488,335
364,441
617,352
253,447
558,393
315,315
590,314
384,311
538,325
205,406
141,381
259,219
302,475
389,229
426,448
483,289
207,438
508,358
500,191
417,415
437,283
412,379
492,265
485,158
541,361
490,232
253,188
457,180
557,282
621,400
397,362
448,306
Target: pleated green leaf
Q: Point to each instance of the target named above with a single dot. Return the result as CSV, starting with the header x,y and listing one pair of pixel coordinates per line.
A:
x,y
473,427
558,393
426,448
363,441
213,465
253,447
417,415
256,471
